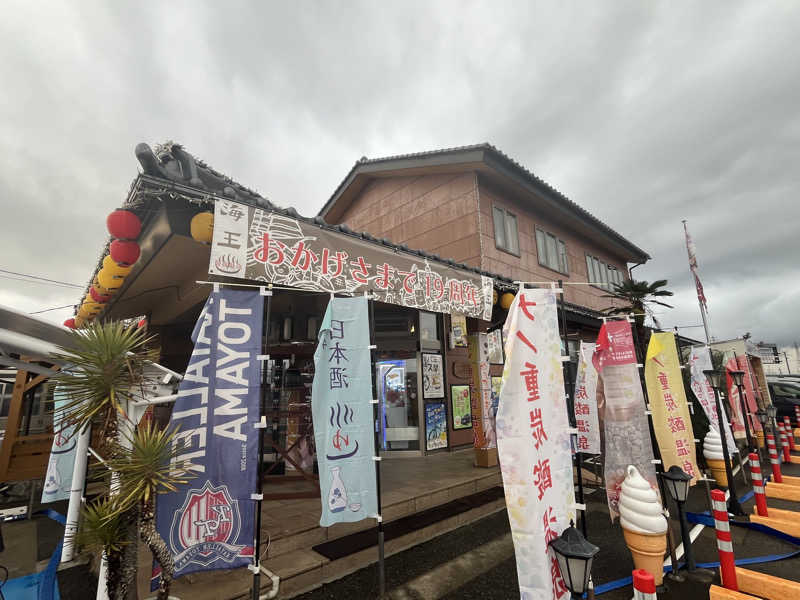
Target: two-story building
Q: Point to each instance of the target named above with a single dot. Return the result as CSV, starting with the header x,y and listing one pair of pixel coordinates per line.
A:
x,y
477,206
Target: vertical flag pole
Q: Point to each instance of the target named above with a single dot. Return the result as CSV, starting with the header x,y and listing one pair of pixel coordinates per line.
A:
x,y
266,388
692,269
570,389
377,457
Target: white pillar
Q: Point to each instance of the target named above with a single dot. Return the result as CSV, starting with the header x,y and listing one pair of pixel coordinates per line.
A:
x,y
76,494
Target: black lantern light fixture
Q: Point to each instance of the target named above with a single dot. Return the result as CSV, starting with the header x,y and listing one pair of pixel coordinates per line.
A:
x,y
677,481
772,414
715,380
738,380
575,555
762,417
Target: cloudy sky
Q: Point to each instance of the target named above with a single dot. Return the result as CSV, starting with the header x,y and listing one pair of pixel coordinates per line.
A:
x,y
645,113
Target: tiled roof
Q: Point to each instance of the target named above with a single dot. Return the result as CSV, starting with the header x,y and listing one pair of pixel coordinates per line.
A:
x,y
502,157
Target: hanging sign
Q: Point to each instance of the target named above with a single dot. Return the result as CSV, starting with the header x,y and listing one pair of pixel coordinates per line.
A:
x,y
699,361
263,245
585,402
670,412
533,442
208,522
342,412
58,480
627,439
482,417
741,363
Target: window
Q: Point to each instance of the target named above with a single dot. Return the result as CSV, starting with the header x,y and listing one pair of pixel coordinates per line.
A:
x,y
552,252
505,230
603,275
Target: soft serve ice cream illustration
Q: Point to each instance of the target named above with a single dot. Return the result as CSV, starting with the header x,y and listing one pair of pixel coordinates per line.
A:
x,y
712,450
643,523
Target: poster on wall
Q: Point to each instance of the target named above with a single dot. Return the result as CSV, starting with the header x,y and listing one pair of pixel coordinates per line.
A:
x,y
432,376
462,407
496,347
534,445
458,330
435,426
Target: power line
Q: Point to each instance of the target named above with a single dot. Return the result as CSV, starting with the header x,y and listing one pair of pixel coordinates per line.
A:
x,y
23,280
75,285
36,312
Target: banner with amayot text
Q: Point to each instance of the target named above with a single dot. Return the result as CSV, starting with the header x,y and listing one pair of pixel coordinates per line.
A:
x,y
342,412
670,411
533,442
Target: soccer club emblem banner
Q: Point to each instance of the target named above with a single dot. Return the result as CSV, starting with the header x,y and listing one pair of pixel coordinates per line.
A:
x,y
699,361
208,522
533,441
586,402
627,436
58,481
342,412
263,245
671,420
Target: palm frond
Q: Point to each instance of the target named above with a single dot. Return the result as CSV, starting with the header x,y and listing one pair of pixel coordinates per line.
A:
x,y
103,526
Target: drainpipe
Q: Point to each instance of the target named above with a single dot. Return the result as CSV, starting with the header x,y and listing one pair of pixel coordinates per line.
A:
x,y
630,271
276,583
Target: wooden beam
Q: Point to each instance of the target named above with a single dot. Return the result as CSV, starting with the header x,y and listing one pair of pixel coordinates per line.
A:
x,y
37,380
720,593
766,586
789,480
13,423
782,491
792,527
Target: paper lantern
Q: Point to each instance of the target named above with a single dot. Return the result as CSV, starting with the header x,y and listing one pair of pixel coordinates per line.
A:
x,y
141,323
92,308
202,227
79,321
112,267
124,253
101,291
109,280
124,225
506,300
98,297
70,323
494,296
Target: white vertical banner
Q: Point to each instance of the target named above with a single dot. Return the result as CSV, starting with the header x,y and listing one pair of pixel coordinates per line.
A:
x,y
586,402
230,239
533,442
699,361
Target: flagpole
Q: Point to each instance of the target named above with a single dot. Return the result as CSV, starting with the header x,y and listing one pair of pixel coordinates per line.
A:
x,y
692,267
266,387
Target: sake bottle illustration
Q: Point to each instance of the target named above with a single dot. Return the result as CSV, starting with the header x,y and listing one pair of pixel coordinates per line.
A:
x,y
337,496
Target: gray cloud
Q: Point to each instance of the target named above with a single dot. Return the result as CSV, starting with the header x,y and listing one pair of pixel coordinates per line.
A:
x,y
643,113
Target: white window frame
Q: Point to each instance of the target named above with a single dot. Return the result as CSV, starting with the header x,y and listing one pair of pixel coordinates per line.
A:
x,y
507,219
603,275
561,264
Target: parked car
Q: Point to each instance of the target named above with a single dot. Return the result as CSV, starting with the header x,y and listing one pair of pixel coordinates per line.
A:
x,y
785,396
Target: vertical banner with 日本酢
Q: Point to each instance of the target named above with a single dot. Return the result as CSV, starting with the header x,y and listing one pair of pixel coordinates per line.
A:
x,y
208,522
585,402
627,433
533,441
342,412
58,480
668,406
699,361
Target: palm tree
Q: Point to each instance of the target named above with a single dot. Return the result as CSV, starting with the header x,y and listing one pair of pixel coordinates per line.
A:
x,y
637,298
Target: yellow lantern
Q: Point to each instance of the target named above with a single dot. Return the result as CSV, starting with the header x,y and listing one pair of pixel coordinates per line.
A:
x,y
494,297
79,321
109,280
84,312
202,227
91,308
506,300
114,268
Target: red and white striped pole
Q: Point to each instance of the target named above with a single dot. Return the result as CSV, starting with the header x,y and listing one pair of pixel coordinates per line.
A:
x,y
773,459
727,565
758,485
787,426
785,445
644,585
797,414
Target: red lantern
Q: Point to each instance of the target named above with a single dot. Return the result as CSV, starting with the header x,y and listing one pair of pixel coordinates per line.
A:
x,y
124,225
98,297
124,253
141,323
70,323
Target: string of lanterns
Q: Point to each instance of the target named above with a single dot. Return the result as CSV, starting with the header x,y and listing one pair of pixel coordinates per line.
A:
x,y
125,226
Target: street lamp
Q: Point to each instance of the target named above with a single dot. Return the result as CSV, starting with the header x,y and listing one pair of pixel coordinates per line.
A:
x,y
575,555
738,380
715,380
762,417
772,413
676,480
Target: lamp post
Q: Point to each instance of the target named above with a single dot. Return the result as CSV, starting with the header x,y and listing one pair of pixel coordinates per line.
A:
x,y
715,379
677,481
738,379
762,417
575,555
772,413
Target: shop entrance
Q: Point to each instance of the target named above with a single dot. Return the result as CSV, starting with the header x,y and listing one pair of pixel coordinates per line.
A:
x,y
397,383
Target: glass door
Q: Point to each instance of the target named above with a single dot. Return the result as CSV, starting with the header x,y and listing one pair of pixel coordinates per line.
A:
x,y
398,402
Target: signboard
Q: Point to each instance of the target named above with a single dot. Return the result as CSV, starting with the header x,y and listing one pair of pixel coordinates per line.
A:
x,y
208,523
432,376
671,420
495,347
435,426
586,419
627,433
342,412
258,244
482,418
58,480
462,408
533,442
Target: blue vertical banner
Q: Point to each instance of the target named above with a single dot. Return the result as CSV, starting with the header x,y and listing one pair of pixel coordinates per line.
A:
x,y
58,481
342,412
208,523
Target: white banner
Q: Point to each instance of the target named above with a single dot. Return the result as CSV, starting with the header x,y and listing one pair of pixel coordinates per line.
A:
x,y
533,442
699,361
586,402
